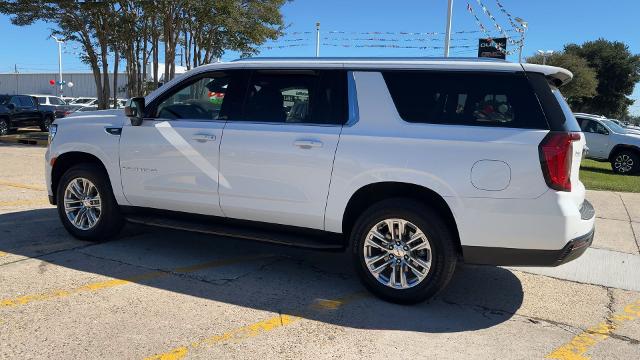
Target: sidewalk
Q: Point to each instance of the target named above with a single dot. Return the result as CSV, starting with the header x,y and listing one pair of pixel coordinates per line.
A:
x,y
614,257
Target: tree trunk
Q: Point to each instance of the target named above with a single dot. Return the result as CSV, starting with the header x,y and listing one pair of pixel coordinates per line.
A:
x,y
103,103
116,63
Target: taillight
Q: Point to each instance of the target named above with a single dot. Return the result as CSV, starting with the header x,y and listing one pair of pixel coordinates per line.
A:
x,y
556,156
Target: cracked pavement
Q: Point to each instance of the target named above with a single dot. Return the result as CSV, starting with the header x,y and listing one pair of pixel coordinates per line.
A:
x,y
164,294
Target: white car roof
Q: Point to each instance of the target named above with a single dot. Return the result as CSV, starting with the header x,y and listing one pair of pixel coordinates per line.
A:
x,y
559,75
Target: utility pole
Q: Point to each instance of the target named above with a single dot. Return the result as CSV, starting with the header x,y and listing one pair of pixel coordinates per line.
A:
x,y
59,61
318,39
447,37
544,55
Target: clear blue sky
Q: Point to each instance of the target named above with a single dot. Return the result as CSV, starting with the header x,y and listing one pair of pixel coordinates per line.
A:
x,y
551,25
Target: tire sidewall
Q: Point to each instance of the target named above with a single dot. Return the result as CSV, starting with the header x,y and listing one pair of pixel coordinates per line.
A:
x,y
110,220
439,237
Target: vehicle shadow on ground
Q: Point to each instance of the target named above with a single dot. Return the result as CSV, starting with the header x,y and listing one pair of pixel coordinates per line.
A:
x,y
320,286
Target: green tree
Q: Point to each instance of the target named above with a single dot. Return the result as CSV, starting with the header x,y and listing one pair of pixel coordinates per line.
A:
x,y
583,86
84,22
617,71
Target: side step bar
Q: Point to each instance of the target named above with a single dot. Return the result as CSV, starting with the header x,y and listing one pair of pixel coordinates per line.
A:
x,y
243,230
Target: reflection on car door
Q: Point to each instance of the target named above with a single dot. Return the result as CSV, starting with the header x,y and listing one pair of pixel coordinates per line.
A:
x,y
277,160
171,160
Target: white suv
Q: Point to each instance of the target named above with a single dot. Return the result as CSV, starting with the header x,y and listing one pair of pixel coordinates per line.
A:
x,y
411,164
608,141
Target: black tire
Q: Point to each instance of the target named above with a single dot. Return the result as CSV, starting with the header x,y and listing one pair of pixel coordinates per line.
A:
x,y
110,221
440,238
44,125
5,126
626,162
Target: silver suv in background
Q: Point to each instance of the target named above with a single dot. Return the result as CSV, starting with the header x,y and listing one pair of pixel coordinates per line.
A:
x,y
608,141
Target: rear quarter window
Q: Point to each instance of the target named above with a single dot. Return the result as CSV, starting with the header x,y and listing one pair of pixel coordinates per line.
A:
x,y
465,98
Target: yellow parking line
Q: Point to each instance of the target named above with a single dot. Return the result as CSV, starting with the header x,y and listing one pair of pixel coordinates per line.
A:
x,y
23,186
26,299
583,342
255,329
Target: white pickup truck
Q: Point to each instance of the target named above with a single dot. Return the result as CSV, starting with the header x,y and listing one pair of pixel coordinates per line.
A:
x,y
411,164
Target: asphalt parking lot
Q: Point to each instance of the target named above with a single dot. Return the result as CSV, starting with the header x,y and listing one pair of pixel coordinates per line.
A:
x,y
170,295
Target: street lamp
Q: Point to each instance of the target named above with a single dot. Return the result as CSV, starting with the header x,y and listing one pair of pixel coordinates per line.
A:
x,y
59,41
544,55
524,25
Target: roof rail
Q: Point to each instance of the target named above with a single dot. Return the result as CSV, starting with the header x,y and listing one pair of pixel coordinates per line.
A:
x,y
590,115
369,58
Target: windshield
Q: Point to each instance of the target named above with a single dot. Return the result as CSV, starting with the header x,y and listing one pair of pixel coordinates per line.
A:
x,y
4,100
614,126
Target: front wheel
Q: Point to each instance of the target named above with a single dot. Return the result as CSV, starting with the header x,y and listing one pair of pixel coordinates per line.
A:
x,y
626,162
86,205
403,251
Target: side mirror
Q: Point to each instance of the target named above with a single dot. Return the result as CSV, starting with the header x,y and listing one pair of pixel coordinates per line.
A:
x,y
11,107
134,110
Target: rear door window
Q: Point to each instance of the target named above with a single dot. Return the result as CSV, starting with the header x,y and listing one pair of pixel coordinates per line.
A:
x,y
459,98
297,96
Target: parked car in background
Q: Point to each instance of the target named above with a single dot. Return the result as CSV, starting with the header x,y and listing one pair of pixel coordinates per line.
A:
x,y
411,165
23,110
608,141
85,101
54,103
628,126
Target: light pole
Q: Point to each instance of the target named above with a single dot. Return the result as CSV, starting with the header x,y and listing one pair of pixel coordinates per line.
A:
x,y
524,25
544,55
447,36
59,41
317,39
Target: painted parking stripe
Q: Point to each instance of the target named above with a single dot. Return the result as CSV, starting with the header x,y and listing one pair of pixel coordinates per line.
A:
x,y
578,346
23,186
255,329
107,284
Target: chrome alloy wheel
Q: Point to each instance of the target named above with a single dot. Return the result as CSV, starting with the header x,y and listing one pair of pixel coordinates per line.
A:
x,y
82,203
4,127
397,253
623,163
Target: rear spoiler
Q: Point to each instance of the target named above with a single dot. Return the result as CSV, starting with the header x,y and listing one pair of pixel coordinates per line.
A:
x,y
555,75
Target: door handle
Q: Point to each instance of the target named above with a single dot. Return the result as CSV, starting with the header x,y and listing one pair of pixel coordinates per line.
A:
x,y
307,144
204,137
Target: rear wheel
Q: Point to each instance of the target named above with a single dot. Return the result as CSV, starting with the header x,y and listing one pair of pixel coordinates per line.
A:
x,y
403,251
86,205
44,126
4,126
626,162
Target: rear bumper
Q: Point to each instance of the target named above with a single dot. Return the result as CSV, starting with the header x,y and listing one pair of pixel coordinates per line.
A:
x,y
528,257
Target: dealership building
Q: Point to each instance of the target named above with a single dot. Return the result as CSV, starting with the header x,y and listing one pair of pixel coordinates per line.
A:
x,y
39,83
